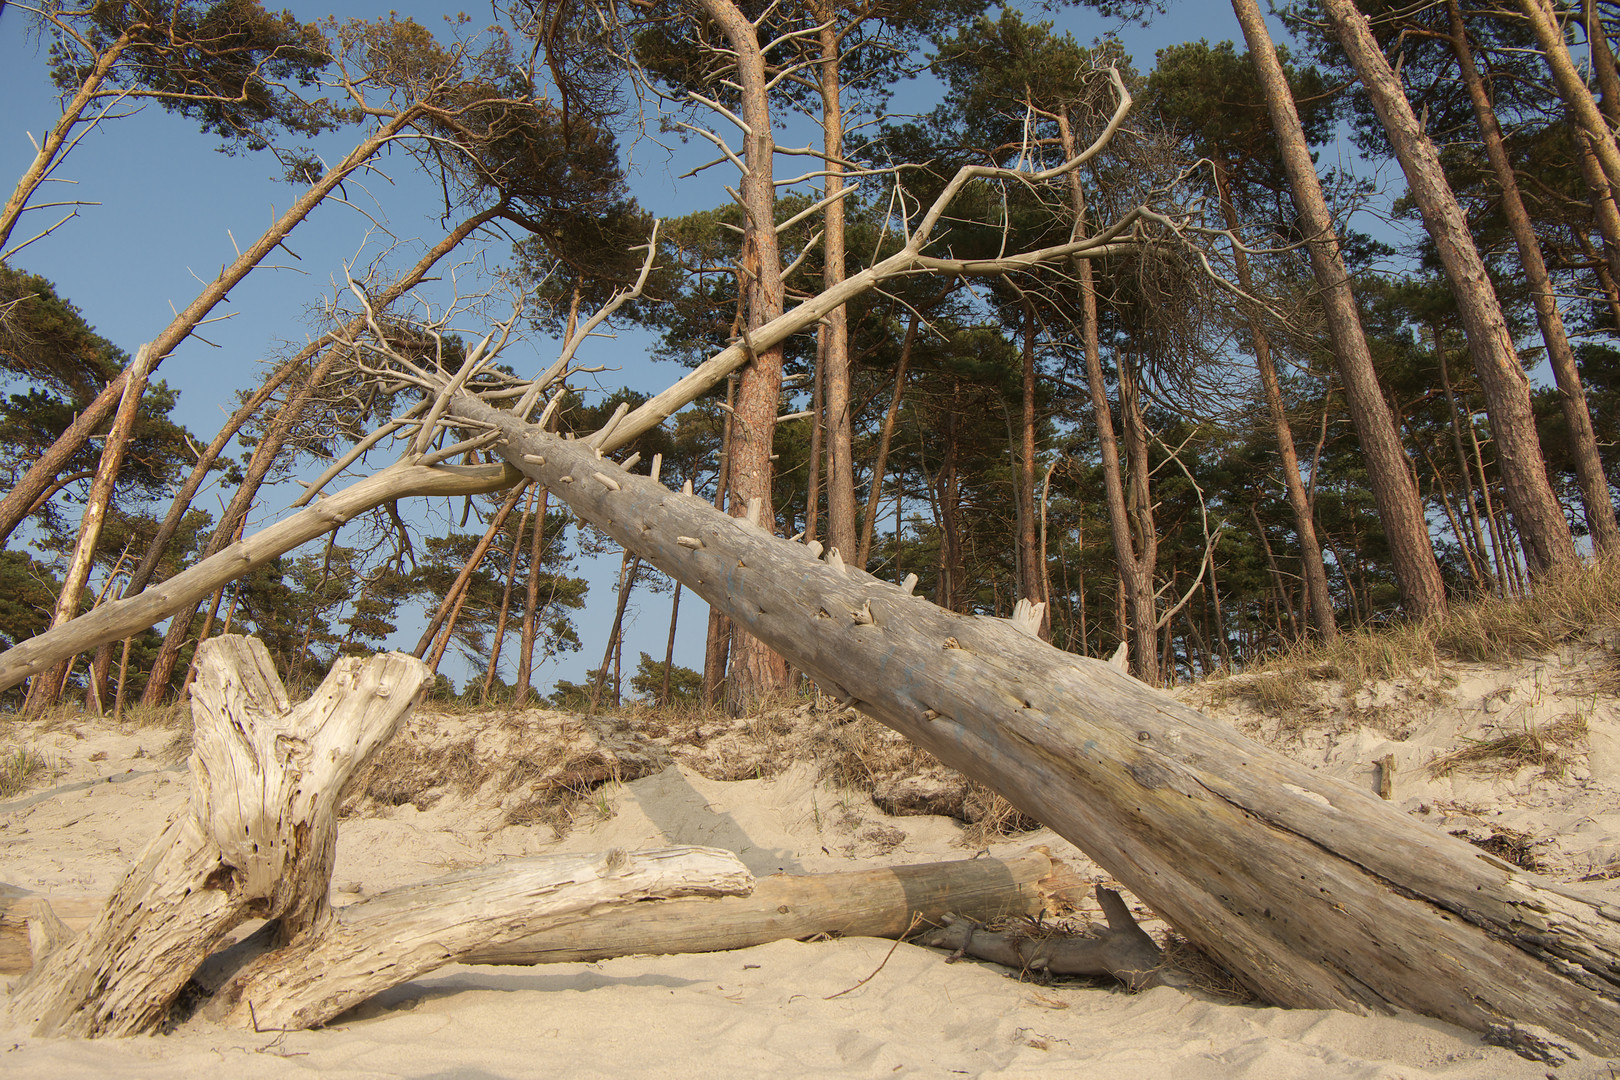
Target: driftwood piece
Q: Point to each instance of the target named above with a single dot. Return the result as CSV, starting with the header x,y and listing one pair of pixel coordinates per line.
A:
x,y
1122,950
255,840
369,946
1314,893
858,903
20,909
882,902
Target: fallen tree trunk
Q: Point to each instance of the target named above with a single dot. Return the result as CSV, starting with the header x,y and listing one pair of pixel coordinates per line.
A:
x,y
1123,951
1314,893
132,614
883,902
395,936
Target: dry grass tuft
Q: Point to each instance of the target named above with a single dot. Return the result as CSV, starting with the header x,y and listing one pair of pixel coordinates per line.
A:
x,y
1547,746
1205,974
19,766
1569,604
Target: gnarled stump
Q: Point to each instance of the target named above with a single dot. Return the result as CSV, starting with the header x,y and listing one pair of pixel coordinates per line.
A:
x,y
255,840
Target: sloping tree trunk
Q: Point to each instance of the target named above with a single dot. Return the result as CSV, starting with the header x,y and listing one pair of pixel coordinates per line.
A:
x,y
1542,18
1594,484
1399,508
1314,893
15,506
47,688
1529,494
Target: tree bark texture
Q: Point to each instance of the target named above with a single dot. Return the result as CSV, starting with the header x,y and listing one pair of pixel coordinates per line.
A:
x,y
1315,893
1423,592
1529,494
755,672
365,948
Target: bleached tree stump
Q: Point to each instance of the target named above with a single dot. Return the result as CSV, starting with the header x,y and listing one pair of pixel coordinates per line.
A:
x,y
255,840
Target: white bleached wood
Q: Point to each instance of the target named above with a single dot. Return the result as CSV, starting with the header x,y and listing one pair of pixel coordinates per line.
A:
x,y
365,948
119,619
256,838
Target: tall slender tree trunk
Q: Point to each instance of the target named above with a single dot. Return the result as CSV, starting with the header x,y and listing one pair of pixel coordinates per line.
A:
x,y
717,641
1542,18
1401,511
506,598
50,151
46,689
1507,391
754,672
1135,571
1594,484
1139,511
669,647
885,440
531,600
841,524
230,523
1031,581
1467,470
1318,597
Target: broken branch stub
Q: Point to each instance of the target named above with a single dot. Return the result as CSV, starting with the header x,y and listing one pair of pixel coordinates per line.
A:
x,y
255,840
1314,893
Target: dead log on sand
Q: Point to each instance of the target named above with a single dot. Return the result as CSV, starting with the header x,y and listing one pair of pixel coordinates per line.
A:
x,y
937,904
1123,951
1313,893
256,841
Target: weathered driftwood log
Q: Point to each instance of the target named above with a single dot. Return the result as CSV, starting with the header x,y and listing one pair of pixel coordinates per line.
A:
x,y
1314,893
858,903
1122,951
393,937
255,840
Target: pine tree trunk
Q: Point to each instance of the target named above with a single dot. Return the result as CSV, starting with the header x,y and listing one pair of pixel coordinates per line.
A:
x,y
46,689
1318,597
1411,551
841,524
1507,391
1594,483
754,672
886,440
531,603
16,503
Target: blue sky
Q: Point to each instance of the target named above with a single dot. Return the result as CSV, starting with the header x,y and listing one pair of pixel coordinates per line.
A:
x,y
168,206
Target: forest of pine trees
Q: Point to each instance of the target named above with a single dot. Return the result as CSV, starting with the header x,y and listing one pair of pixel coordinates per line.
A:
x,y
1261,417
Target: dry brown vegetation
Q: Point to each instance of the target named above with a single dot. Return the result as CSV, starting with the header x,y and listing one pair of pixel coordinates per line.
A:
x,y
1548,746
1578,604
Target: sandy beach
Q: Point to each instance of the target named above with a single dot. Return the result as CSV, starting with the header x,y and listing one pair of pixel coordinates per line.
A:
x,y
801,1009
